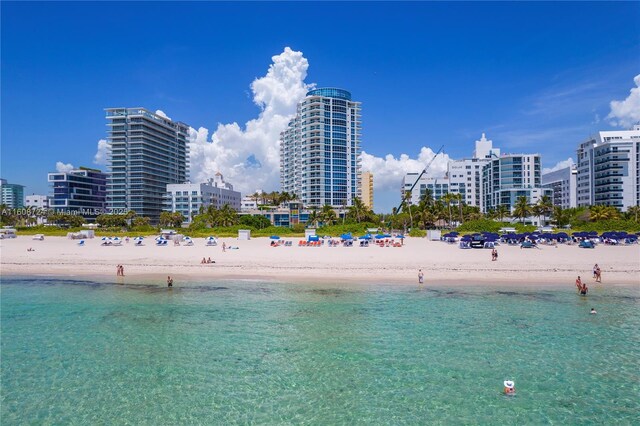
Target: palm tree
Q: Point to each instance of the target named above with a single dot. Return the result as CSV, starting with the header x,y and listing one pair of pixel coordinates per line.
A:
x,y
406,203
633,212
314,217
448,198
227,216
502,211
522,209
427,197
547,206
458,199
561,216
358,210
328,215
600,212
538,210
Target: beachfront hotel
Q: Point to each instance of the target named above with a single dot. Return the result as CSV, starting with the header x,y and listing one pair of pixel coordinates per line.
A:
x,y
609,169
563,183
320,150
509,177
11,194
82,191
146,153
187,198
463,177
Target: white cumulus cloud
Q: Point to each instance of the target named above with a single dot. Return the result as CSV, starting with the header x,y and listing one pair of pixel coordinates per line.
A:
x,y
162,114
559,166
101,155
63,168
626,113
389,171
249,156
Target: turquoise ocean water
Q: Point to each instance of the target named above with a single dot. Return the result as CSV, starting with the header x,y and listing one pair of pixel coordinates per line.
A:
x,y
83,352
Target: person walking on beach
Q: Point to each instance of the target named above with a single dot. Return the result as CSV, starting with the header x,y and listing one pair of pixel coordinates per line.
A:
x,y
598,274
420,276
595,268
224,247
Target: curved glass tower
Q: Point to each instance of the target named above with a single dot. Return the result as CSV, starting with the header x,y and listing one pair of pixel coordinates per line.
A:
x,y
320,149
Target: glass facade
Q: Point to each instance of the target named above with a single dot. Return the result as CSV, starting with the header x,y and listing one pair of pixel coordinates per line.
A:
x,y
82,191
320,149
146,153
510,177
12,195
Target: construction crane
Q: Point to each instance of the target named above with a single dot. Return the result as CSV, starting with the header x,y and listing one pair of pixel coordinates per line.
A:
x,y
417,180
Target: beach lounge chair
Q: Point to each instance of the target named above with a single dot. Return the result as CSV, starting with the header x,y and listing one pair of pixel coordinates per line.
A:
x,y
81,243
138,243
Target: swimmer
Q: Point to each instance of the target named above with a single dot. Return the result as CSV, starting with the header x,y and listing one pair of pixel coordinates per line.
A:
x,y
584,290
509,387
593,311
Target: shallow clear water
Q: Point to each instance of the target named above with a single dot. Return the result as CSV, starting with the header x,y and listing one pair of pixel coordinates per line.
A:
x,y
80,352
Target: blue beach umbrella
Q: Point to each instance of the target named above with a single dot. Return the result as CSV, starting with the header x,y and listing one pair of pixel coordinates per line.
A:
x,y
274,237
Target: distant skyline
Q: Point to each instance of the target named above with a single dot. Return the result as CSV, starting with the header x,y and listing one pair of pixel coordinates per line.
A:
x,y
535,77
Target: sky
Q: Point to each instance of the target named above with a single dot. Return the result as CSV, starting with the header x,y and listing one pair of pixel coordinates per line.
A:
x,y
535,77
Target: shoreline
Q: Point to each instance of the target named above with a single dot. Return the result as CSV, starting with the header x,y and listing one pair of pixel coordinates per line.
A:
x,y
443,264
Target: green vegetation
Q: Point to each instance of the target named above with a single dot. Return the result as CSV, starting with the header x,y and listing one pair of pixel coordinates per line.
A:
x,y
417,233
429,213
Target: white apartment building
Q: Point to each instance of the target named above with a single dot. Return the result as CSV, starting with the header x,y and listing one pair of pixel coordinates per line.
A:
x,y
187,198
37,201
463,176
563,183
608,169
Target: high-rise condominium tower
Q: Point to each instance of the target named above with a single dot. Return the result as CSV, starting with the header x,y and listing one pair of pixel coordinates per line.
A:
x,y
320,149
146,153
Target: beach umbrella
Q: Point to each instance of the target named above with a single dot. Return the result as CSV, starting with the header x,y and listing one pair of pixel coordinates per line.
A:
x,y
274,237
346,237
104,238
379,236
399,236
159,238
210,238
138,238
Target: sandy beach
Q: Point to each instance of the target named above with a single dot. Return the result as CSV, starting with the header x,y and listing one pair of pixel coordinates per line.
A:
x,y
256,259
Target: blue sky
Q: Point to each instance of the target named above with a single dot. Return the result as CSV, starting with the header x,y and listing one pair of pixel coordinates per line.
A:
x,y
536,77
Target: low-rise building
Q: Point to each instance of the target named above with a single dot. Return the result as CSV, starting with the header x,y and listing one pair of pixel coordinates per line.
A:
x,y
80,191
188,198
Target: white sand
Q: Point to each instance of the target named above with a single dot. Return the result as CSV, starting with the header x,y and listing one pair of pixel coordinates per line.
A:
x,y
255,259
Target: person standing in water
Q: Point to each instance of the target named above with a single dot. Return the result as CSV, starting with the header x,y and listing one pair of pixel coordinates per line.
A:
x,y
169,281
420,276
